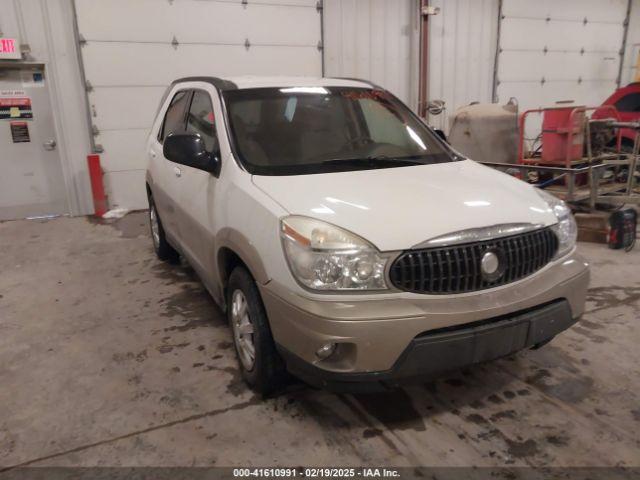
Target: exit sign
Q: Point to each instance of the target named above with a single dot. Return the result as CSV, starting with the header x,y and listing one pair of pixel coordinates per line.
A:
x,y
9,48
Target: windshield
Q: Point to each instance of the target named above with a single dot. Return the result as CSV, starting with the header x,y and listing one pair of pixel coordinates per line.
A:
x,y
305,130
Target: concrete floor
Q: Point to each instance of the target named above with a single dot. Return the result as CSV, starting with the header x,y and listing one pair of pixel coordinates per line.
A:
x,y
110,357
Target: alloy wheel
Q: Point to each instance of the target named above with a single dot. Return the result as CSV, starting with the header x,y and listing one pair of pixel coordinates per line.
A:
x,y
243,330
155,226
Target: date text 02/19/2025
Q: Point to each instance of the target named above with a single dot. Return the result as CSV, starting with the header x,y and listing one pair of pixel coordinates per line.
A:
x,y
310,472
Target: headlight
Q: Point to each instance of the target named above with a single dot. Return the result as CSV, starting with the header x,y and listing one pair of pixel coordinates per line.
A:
x,y
325,257
566,228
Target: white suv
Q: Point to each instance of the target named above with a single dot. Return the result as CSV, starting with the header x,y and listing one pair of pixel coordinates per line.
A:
x,y
347,242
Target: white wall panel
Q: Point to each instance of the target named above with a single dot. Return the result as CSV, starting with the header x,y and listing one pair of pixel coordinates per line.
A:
x,y
116,112
552,51
462,45
126,149
569,10
151,64
554,67
374,40
129,59
199,22
632,50
527,34
124,186
10,20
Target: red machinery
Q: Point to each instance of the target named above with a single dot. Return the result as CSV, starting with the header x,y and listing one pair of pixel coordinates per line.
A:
x,y
563,134
627,102
579,155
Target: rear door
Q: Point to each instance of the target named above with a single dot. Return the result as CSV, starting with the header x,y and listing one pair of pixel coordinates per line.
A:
x,y
167,173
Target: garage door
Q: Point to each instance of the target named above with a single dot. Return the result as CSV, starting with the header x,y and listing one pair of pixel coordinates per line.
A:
x,y
551,50
132,50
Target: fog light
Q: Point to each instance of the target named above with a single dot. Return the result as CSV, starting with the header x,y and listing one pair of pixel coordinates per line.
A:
x,y
326,350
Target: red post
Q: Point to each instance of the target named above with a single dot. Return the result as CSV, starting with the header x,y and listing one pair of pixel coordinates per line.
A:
x,y
97,186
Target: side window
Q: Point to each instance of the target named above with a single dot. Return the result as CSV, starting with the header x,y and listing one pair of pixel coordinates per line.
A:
x,y
629,103
174,118
201,119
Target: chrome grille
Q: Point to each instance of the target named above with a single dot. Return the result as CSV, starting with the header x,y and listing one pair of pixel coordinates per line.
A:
x,y
457,268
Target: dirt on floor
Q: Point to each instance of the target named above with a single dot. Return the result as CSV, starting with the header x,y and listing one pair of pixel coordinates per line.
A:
x,y
111,357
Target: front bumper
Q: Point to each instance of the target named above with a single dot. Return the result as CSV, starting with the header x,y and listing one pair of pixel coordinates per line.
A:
x,y
375,332
433,353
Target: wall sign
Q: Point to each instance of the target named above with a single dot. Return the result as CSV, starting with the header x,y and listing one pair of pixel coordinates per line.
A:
x,y
15,108
20,132
9,49
13,93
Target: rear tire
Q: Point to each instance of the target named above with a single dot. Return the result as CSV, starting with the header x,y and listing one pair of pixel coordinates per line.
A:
x,y
161,246
261,366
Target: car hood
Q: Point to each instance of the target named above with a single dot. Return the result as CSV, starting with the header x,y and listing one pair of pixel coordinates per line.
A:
x,y
399,208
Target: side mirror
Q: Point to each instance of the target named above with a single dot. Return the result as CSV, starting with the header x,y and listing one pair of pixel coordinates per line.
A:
x,y
189,149
441,134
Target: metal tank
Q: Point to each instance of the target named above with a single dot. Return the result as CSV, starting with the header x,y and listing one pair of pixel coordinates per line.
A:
x,y
486,132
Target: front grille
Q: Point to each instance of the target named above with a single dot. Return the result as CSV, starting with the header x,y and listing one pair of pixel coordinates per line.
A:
x,y
457,269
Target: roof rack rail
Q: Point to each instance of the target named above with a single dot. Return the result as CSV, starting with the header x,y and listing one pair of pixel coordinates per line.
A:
x,y
219,83
368,82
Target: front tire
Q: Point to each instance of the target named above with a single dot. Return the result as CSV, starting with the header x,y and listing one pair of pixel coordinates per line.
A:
x,y
261,366
161,246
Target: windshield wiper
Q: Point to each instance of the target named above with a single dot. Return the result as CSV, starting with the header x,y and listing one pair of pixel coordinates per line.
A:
x,y
371,160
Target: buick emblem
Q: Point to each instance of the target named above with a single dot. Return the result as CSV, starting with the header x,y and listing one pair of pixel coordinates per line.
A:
x,y
491,266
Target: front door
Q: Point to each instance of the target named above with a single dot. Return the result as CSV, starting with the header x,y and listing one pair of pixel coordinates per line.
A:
x,y
31,180
167,182
197,190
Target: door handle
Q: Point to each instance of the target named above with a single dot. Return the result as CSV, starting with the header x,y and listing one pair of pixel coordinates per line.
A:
x,y
49,145
153,155
177,171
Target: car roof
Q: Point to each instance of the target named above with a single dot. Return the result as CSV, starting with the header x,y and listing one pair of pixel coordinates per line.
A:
x,y
244,82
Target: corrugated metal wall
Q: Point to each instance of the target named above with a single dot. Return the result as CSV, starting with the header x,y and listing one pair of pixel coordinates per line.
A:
x,y
374,40
462,45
